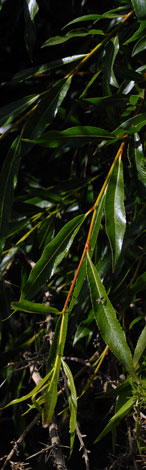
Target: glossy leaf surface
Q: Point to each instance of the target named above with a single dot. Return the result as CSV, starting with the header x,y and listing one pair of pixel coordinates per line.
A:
x,y
140,8
106,319
51,257
115,217
74,136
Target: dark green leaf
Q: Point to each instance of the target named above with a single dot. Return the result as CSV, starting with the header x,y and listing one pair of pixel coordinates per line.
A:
x,y
131,126
51,257
30,307
140,159
119,415
140,8
8,177
74,136
72,34
72,404
12,110
109,55
139,46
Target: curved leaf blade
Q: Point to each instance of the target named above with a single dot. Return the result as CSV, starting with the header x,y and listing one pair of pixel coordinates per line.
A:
x,y
72,404
140,8
51,257
106,319
115,420
9,112
140,159
115,217
140,347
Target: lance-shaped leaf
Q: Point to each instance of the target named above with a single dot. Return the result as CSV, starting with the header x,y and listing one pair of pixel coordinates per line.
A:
x,y
119,415
9,112
140,8
73,136
115,218
131,126
140,159
51,257
46,111
32,8
109,55
106,319
140,347
8,177
72,404
31,307
54,363
82,32
93,239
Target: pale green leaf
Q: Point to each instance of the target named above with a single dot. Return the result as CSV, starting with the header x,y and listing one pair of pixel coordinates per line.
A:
x,y
31,307
119,415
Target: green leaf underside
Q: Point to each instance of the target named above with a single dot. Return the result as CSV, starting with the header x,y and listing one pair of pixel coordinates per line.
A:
x,y
73,136
72,404
30,307
115,420
51,257
106,319
140,347
115,217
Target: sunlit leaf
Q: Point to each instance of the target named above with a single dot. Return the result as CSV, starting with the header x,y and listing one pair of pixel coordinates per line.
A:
x,y
115,217
33,8
106,319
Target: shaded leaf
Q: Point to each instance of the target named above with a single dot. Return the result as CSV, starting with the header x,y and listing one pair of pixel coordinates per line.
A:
x,y
140,347
9,112
72,404
46,111
71,34
109,55
140,8
119,415
115,217
106,319
51,257
74,136
140,159
139,46
131,126
8,177
111,14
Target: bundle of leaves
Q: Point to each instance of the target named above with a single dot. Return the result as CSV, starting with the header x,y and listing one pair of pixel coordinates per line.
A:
x,y
72,230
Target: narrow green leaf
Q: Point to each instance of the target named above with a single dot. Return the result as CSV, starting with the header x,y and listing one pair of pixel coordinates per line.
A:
x,y
34,391
109,55
9,112
140,284
93,240
30,307
106,319
73,136
111,14
7,259
139,46
46,110
8,177
72,404
82,32
140,8
51,257
131,126
115,217
41,69
140,347
140,159
137,33
32,8
54,363
115,420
